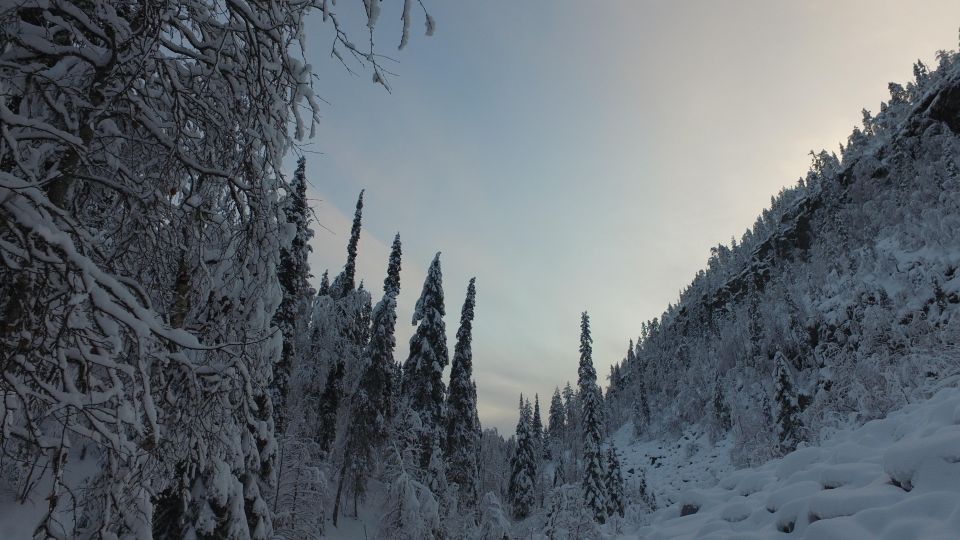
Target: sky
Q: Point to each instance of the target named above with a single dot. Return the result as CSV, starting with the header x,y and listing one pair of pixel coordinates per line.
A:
x,y
584,155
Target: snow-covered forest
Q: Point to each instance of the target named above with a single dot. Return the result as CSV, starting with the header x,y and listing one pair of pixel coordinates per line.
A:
x,y
170,370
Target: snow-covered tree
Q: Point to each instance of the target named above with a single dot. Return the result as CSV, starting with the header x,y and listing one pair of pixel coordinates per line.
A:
x,y
462,443
411,512
494,524
571,406
572,440
616,500
299,503
142,229
495,454
292,316
537,425
324,289
787,419
721,411
423,387
346,279
594,489
329,406
372,405
523,467
568,518
140,239
556,424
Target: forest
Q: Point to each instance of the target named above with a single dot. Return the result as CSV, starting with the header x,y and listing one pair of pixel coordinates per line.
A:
x,y
172,367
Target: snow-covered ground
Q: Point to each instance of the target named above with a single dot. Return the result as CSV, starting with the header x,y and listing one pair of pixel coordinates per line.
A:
x,y
672,466
896,479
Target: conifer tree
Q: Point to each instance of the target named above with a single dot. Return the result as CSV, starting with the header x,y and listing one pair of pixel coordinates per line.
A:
x,y
537,424
721,410
345,281
329,405
462,445
641,407
324,284
593,474
293,274
521,490
614,480
787,422
372,404
571,407
572,440
557,417
423,388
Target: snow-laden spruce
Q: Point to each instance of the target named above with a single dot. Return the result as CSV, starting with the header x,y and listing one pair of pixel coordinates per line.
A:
x,y
593,484
423,388
462,442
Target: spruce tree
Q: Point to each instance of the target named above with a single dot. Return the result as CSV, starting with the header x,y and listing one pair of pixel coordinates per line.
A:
x,y
555,424
521,490
423,388
571,408
293,274
324,284
614,480
593,474
372,405
329,405
641,407
721,410
345,281
557,416
462,444
537,424
787,422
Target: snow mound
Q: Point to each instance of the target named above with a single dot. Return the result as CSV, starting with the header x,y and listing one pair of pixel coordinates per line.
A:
x,y
891,479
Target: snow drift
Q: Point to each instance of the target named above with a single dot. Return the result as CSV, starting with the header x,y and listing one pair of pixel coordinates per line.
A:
x,y
896,478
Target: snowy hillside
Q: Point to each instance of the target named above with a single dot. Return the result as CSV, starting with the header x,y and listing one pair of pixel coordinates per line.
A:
x,y
833,309
896,478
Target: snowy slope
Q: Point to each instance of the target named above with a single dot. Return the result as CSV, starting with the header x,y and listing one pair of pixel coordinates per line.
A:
x,y
671,467
896,478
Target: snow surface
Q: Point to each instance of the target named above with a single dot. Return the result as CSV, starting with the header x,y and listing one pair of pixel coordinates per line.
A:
x,y
892,479
672,466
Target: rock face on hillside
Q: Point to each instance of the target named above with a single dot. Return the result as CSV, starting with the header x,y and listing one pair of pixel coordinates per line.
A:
x,y
851,275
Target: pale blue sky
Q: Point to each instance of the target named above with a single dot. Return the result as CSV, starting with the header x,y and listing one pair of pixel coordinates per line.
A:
x,y
587,155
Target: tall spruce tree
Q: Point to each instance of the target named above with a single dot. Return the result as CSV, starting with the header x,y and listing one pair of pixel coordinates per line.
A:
x,y
372,405
614,480
462,444
571,407
346,313
294,274
329,405
556,418
423,388
594,489
522,490
345,280
641,407
537,424
324,284
787,422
